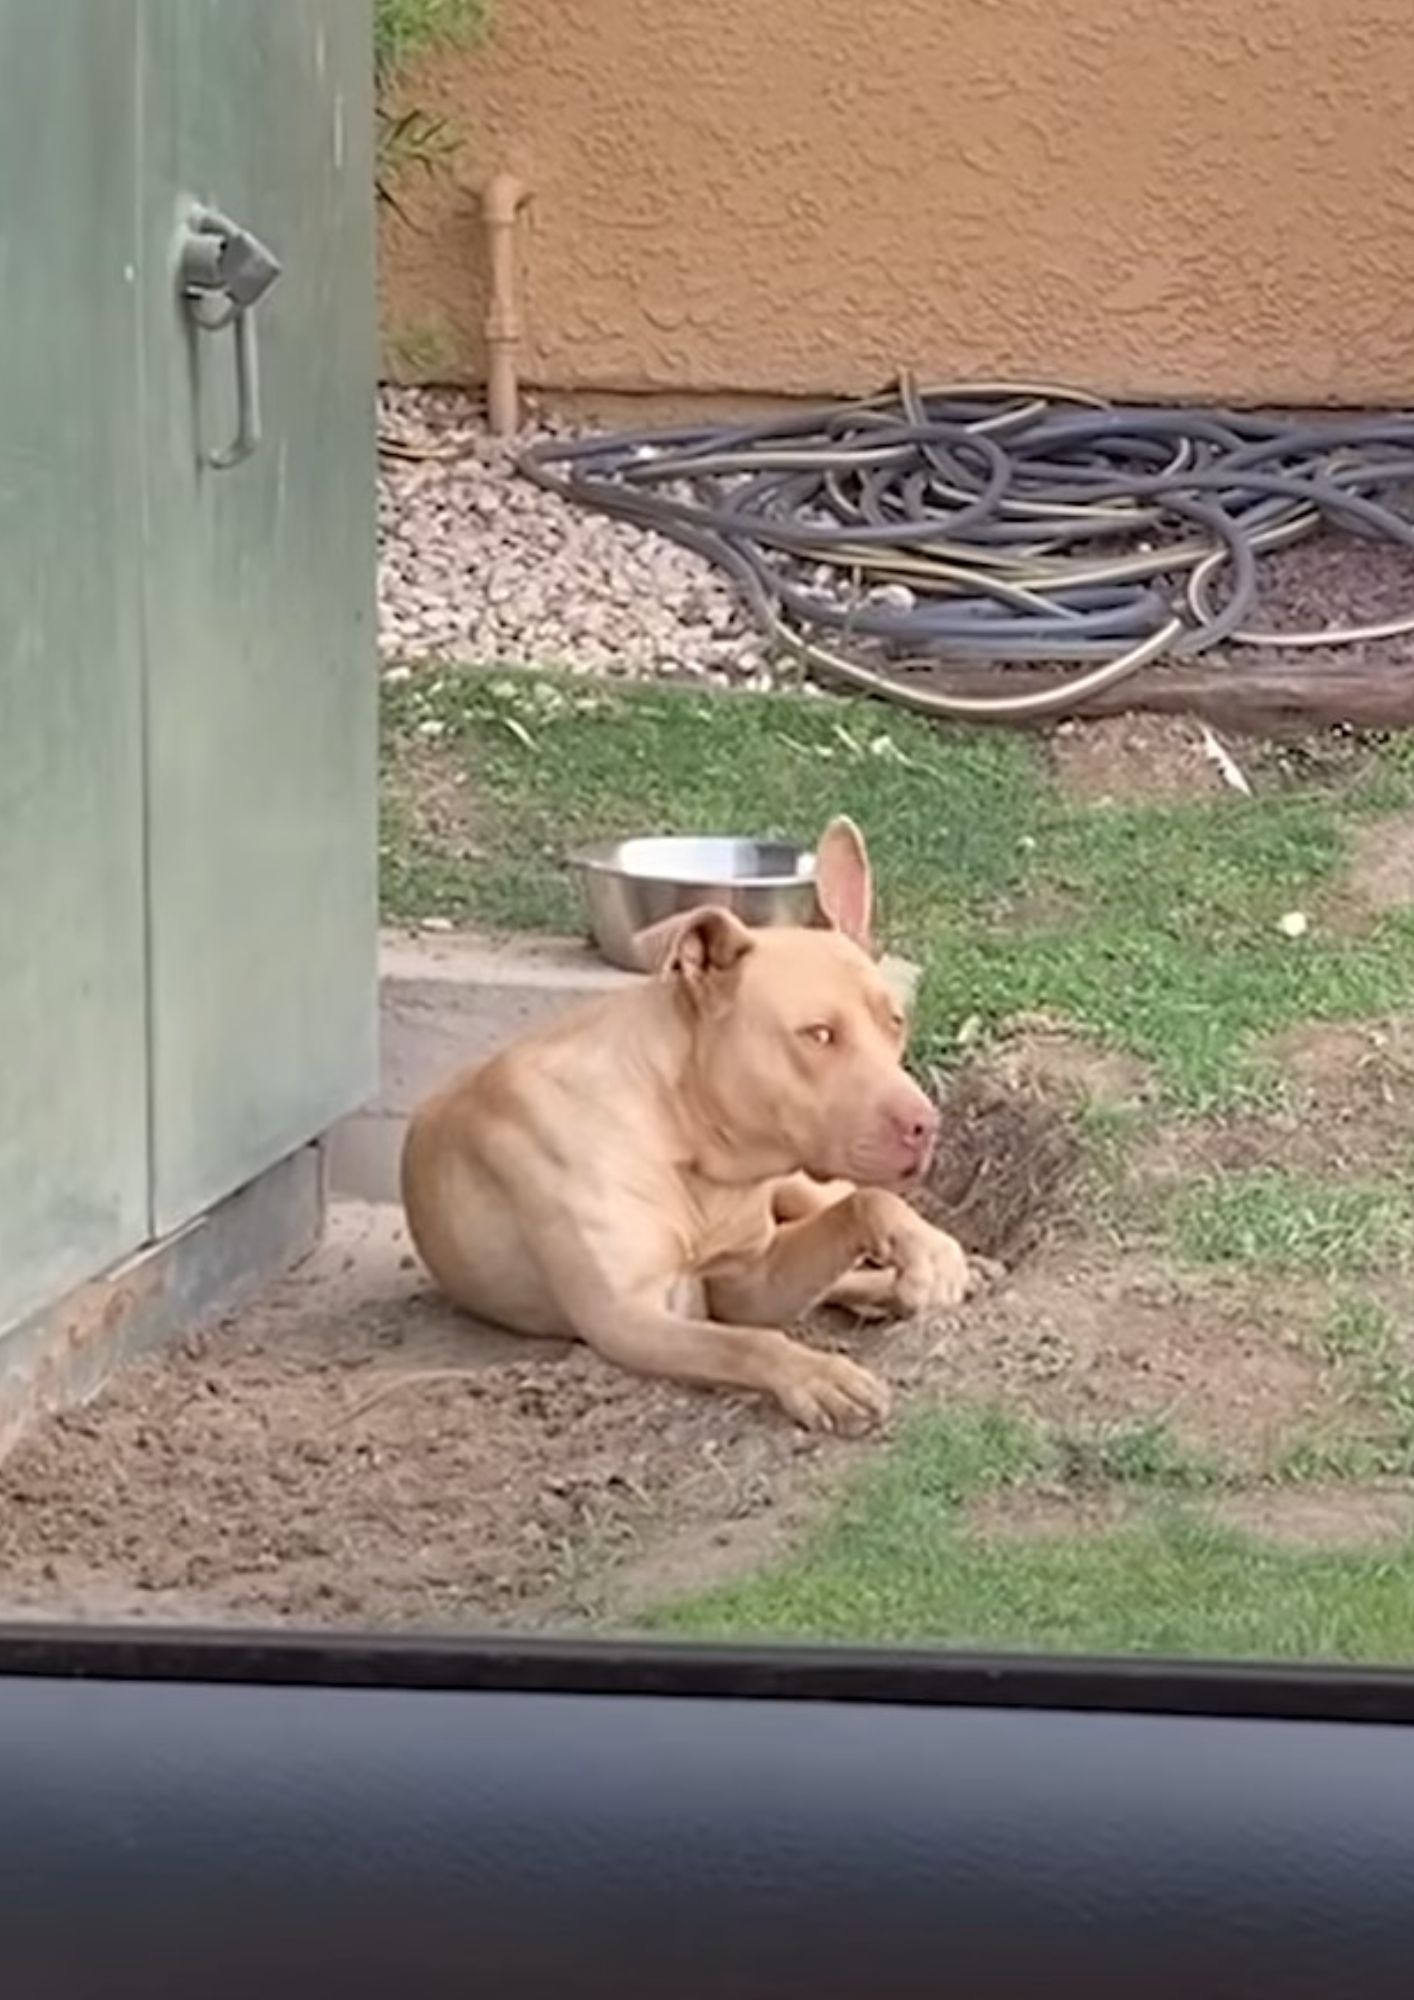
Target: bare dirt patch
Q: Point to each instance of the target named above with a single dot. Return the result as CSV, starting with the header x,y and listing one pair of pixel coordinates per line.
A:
x,y
708,1554
348,1453
243,1480
352,1452
1133,758
1330,760
1381,870
1087,1340
1320,1517
1053,1062
1006,1166
1032,1516
1349,1091
1333,1518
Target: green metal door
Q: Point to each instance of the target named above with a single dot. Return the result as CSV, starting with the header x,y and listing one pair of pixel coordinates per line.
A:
x,y
187,680
73,1126
259,590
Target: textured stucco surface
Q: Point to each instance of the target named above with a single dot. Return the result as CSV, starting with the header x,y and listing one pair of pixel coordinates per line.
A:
x,y
799,196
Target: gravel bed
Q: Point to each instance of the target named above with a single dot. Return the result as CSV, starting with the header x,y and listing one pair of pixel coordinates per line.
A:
x,y
478,563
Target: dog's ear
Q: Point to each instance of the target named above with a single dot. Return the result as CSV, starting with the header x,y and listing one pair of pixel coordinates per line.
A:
x,y
694,945
844,882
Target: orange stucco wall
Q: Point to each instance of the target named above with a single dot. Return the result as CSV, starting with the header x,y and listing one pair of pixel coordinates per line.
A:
x,y
1206,197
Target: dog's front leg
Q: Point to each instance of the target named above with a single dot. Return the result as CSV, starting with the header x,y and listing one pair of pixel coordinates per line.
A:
x,y
866,1291
810,1261
623,1314
805,1262
823,1392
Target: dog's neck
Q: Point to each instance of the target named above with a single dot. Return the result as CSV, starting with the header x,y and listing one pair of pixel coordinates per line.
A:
x,y
708,1142
718,1154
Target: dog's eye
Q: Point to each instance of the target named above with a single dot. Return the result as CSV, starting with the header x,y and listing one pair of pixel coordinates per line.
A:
x,y
819,1032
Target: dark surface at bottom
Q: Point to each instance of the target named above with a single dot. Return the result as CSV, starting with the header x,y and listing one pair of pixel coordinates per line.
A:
x,y
164,1836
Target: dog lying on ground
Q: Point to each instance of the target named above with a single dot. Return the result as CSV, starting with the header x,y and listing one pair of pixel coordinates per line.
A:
x,y
671,1172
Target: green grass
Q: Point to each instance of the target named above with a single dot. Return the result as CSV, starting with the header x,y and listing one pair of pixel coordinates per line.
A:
x,y
422,350
1292,1224
1368,1355
1357,1330
900,1564
405,135
1153,927
550,764
1141,1454
405,29
1360,1335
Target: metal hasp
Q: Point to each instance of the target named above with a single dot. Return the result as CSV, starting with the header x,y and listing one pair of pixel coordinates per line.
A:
x,y
223,272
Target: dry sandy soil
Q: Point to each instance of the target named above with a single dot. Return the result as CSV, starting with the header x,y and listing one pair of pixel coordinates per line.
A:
x,y
349,1452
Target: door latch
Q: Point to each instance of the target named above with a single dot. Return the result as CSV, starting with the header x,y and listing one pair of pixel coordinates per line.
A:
x,y
223,272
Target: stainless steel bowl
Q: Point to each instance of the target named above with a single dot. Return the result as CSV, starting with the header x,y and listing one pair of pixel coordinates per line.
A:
x,y
629,884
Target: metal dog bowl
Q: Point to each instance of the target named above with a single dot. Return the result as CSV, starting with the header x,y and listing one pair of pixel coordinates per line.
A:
x,y
629,884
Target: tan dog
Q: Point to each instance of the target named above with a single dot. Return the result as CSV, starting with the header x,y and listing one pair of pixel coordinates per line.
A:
x,y
672,1171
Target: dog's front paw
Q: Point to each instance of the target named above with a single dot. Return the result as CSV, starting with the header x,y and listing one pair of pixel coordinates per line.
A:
x,y
828,1392
931,1269
934,1274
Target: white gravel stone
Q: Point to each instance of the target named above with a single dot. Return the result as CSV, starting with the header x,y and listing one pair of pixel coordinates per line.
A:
x,y
478,564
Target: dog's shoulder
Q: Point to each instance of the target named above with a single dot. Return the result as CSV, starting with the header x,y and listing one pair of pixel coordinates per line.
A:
x,y
730,1223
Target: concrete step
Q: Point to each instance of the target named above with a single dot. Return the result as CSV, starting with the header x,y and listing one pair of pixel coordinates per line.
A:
x,y
447,999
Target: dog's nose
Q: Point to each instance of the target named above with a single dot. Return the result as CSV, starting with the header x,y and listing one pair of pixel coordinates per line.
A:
x,y
916,1124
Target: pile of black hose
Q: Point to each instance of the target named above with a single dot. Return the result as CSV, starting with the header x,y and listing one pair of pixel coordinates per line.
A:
x,y
988,523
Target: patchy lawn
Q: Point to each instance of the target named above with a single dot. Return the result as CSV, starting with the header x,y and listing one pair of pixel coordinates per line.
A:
x,y
1187,1424
1155,928
926,1547
1174,1046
